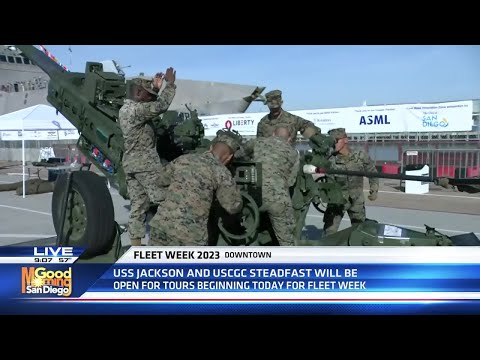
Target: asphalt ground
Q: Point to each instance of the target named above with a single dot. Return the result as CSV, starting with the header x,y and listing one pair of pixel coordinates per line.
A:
x,y
449,211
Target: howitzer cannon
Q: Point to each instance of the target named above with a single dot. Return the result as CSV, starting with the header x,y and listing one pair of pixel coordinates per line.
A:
x,y
256,230
82,207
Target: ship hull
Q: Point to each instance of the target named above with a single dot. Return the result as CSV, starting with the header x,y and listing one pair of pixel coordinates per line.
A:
x,y
27,86
214,99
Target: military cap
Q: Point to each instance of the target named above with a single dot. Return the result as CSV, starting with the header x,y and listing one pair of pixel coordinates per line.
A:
x,y
146,83
273,94
232,140
274,98
338,133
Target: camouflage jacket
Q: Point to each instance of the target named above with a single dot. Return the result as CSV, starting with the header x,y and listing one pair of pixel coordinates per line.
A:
x,y
280,161
266,125
193,180
135,120
352,186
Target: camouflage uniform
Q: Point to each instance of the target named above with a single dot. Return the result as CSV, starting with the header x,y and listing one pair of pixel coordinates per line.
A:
x,y
280,167
267,125
141,161
193,180
352,187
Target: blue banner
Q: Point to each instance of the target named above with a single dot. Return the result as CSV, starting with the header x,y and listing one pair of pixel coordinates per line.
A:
x,y
29,251
289,277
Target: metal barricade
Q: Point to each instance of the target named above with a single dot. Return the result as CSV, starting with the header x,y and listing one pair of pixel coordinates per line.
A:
x,y
449,162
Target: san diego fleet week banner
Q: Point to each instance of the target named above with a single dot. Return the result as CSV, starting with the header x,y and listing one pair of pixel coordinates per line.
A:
x,y
257,280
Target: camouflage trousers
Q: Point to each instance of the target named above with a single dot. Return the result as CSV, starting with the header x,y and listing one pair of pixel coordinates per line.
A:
x,y
355,207
158,237
143,191
278,205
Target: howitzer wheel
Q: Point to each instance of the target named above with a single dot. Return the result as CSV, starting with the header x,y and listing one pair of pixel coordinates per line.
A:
x,y
320,206
252,220
89,218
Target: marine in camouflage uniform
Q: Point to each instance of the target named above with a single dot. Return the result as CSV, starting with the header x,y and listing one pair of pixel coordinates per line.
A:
x,y
281,118
193,181
280,167
278,116
352,186
141,161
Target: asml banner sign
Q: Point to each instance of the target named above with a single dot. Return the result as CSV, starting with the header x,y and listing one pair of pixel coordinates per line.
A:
x,y
444,117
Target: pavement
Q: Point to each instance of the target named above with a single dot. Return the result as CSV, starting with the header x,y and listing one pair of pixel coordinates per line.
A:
x,y
449,211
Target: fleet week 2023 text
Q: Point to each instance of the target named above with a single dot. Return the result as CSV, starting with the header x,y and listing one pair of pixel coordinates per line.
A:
x,y
197,254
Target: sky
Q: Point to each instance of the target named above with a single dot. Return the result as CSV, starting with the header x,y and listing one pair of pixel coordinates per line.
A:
x,y
310,76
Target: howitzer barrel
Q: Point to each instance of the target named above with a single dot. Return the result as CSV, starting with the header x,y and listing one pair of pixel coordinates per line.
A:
x,y
91,102
453,182
375,175
40,59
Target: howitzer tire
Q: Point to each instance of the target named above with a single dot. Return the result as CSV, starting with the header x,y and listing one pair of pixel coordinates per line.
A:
x,y
90,217
249,206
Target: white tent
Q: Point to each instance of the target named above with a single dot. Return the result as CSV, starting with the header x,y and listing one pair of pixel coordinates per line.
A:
x,y
39,122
